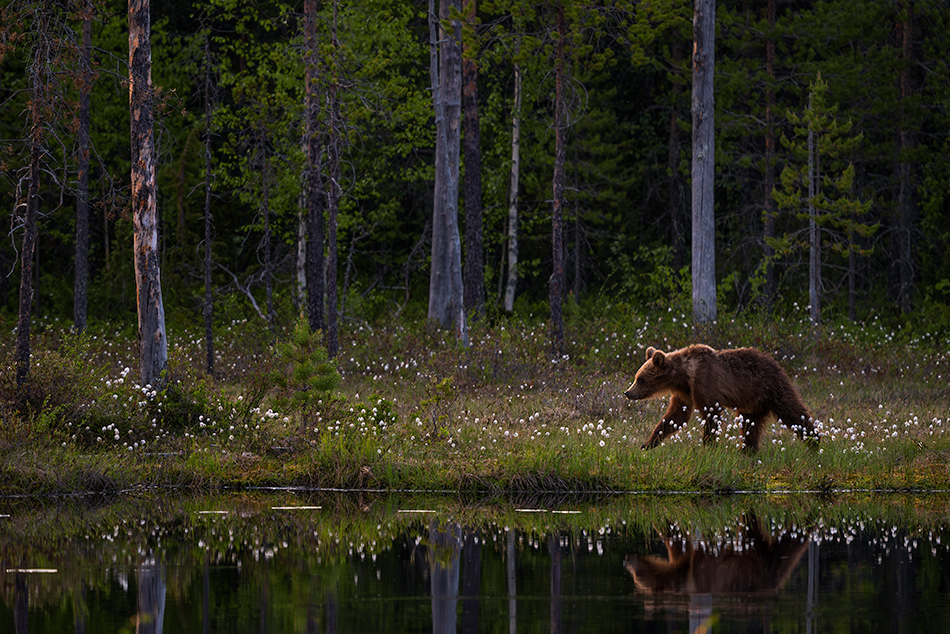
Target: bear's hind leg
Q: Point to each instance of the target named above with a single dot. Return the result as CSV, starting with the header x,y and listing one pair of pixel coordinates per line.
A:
x,y
675,417
753,426
796,417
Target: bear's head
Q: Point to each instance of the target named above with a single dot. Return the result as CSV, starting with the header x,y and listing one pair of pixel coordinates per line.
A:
x,y
654,378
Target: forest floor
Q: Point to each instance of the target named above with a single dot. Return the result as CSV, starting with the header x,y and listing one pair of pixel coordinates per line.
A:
x,y
415,411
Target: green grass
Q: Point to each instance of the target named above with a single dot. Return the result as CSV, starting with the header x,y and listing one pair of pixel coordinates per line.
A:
x,y
415,411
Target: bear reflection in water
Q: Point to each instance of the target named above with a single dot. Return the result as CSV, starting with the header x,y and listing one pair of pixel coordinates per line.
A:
x,y
752,562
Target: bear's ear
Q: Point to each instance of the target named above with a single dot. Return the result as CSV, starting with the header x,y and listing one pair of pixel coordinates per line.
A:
x,y
650,352
658,358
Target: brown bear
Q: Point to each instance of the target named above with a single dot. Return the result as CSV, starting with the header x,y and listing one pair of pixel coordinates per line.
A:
x,y
701,379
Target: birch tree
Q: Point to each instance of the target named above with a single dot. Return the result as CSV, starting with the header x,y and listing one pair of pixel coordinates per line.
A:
x,y
512,277
152,338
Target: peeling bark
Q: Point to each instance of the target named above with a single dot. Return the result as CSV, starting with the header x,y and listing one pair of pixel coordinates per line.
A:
x,y
153,343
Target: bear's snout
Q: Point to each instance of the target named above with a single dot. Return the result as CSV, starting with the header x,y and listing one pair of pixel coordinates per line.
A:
x,y
633,393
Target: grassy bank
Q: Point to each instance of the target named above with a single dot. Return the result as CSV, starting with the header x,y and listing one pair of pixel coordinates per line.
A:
x,y
413,410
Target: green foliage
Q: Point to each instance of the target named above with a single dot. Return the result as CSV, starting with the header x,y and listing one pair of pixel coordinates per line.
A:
x,y
437,406
308,377
626,160
648,279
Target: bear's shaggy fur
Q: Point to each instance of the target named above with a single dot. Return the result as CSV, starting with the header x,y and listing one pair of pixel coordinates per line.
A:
x,y
704,380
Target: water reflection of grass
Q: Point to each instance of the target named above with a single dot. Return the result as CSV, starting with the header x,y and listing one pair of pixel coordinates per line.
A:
x,y
339,525
416,412
296,554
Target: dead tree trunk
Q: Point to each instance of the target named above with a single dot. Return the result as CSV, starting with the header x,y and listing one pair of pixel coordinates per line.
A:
x,y
677,189
704,163
556,282
907,207
333,154
814,243
153,342
208,310
39,80
474,249
768,216
315,225
446,301
81,282
268,250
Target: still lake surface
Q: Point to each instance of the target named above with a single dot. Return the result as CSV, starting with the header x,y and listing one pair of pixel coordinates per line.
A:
x,y
298,561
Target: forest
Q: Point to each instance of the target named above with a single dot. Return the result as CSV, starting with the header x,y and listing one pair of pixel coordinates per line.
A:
x,y
294,131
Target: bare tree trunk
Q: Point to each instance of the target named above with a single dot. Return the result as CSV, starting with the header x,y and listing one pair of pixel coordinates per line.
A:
x,y
300,264
677,190
39,80
557,568
474,249
315,226
852,271
268,254
768,219
556,282
577,229
446,301
333,151
208,311
81,283
704,163
814,244
907,208
512,284
511,556
153,342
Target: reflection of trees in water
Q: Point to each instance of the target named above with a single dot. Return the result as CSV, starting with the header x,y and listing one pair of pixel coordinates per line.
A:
x,y
454,555
358,567
21,603
445,544
694,571
150,579
471,578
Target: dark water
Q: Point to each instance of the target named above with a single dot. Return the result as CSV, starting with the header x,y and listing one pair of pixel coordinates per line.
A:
x,y
284,562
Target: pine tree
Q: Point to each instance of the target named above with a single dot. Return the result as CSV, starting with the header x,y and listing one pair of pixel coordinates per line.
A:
x,y
817,186
309,375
